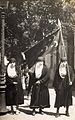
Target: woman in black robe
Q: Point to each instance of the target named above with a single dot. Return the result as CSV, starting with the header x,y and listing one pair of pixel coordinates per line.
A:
x,y
14,91
39,85
63,86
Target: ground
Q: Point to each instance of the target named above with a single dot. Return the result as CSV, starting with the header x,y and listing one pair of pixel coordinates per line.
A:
x,y
49,113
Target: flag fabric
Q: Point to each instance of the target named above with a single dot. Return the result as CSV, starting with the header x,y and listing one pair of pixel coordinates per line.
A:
x,y
57,43
54,44
39,49
62,44
34,52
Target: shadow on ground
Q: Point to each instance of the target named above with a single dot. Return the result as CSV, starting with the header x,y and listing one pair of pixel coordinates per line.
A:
x,y
29,112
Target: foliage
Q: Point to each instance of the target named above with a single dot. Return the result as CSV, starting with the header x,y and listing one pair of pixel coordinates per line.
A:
x,y
29,21
24,18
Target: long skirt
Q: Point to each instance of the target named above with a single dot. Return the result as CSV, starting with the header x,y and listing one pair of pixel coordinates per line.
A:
x,y
14,93
40,97
64,97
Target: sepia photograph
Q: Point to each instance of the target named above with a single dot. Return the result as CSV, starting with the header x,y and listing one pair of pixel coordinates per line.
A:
x,y
37,59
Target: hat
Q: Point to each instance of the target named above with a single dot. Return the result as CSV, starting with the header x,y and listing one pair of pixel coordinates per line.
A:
x,y
63,59
12,60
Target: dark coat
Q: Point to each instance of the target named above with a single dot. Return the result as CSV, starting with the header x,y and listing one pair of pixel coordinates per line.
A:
x,y
63,89
14,91
40,93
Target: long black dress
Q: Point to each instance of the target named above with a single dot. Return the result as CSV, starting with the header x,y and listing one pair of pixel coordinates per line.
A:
x,y
40,93
63,89
14,91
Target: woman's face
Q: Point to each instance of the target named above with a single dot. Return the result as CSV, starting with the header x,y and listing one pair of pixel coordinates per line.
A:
x,y
13,63
64,63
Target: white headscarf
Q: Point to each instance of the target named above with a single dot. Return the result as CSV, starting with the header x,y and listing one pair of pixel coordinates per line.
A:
x,y
11,70
62,69
38,69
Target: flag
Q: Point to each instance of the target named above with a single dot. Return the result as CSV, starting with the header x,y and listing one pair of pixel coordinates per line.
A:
x,y
57,43
39,48
53,44
33,53
62,44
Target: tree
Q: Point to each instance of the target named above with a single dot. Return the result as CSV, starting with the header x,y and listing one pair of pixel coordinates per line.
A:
x,y
23,19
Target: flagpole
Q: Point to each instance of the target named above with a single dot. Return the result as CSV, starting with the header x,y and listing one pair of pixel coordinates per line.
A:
x,y
63,48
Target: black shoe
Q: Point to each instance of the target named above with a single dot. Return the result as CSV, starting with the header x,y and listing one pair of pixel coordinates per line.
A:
x,y
41,112
67,114
33,112
12,112
57,115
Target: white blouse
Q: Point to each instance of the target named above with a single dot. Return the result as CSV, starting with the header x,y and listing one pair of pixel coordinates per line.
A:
x,y
11,70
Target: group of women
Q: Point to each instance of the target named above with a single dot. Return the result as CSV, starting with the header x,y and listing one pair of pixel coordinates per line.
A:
x,y
38,86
